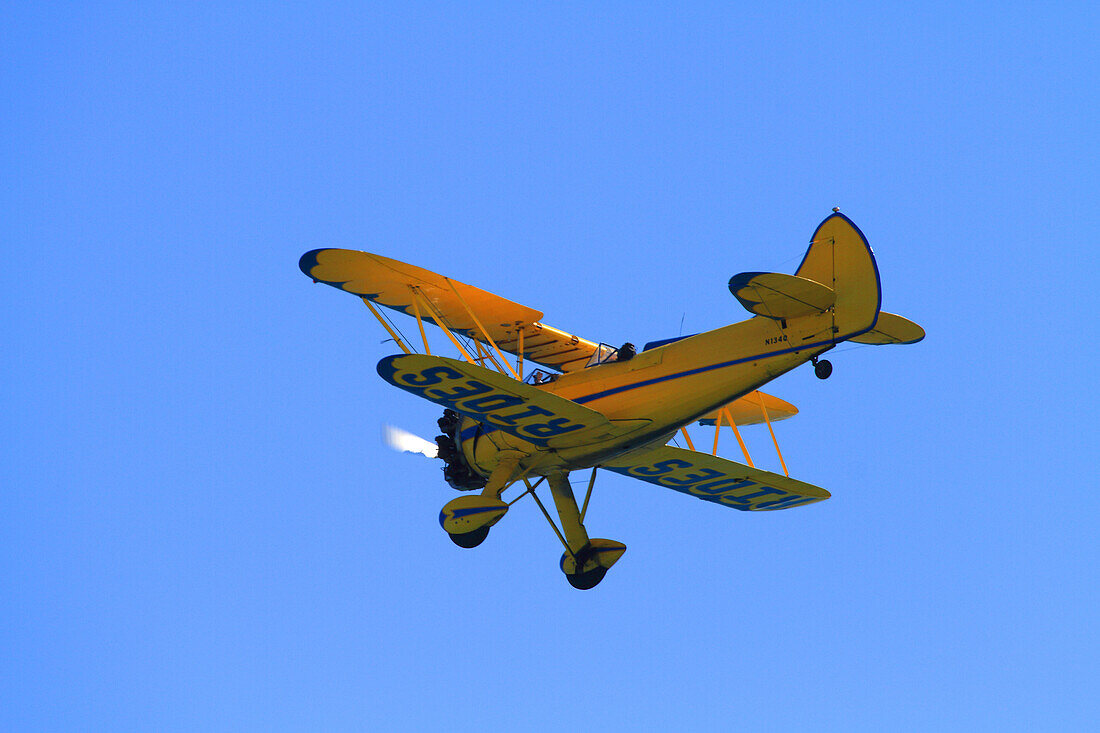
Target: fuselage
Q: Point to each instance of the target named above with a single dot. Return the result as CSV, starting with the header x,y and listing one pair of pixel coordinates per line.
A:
x,y
662,389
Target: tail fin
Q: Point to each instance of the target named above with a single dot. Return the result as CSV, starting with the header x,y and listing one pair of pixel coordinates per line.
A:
x,y
840,258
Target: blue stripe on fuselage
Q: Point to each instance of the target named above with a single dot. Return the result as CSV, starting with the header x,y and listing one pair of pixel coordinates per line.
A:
x,y
469,432
697,370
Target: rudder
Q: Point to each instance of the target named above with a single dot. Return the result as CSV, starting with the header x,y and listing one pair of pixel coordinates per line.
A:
x,y
840,258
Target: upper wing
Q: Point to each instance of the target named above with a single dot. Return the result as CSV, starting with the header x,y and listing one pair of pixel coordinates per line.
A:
x,y
500,402
716,479
391,283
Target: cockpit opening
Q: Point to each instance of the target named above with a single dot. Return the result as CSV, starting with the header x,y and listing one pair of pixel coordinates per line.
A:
x,y
540,376
605,354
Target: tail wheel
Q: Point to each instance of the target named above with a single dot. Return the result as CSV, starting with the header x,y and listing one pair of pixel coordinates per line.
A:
x,y
823,368
471,539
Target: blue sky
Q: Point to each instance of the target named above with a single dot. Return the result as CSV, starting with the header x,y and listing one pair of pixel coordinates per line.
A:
x,y
203,531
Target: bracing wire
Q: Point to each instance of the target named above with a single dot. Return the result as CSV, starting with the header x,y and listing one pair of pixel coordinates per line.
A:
x,y
853,348
393,325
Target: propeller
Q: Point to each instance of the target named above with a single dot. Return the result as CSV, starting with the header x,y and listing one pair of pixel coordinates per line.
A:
x,y
406,442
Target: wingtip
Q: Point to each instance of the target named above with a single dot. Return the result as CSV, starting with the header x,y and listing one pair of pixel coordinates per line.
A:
x,y
739,280
308,261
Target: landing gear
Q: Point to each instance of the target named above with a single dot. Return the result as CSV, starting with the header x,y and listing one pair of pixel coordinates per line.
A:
x,y
586,569
822,367
470,539
467,519
585,561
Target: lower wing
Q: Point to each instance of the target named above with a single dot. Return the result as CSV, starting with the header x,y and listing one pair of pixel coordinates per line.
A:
x,y
716,479
500,402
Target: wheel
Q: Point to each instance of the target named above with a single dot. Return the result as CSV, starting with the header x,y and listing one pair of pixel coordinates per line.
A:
x,y
470,539
585,581
823,369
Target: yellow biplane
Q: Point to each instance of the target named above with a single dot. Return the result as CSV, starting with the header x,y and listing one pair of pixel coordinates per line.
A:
x,y
590,406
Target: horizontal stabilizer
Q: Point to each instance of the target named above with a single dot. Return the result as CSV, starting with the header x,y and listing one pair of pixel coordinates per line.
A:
x,y
780,296
716,479
891,329
748,411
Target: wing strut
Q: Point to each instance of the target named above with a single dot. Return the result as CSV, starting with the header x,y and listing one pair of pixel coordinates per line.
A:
x,y
519,355
420,322
733,424
488,355
484,333
687,438
387,327
776,442
418,296
419,299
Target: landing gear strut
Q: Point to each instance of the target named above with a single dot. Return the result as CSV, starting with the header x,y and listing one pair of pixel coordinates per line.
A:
x,y
822,367
585,561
